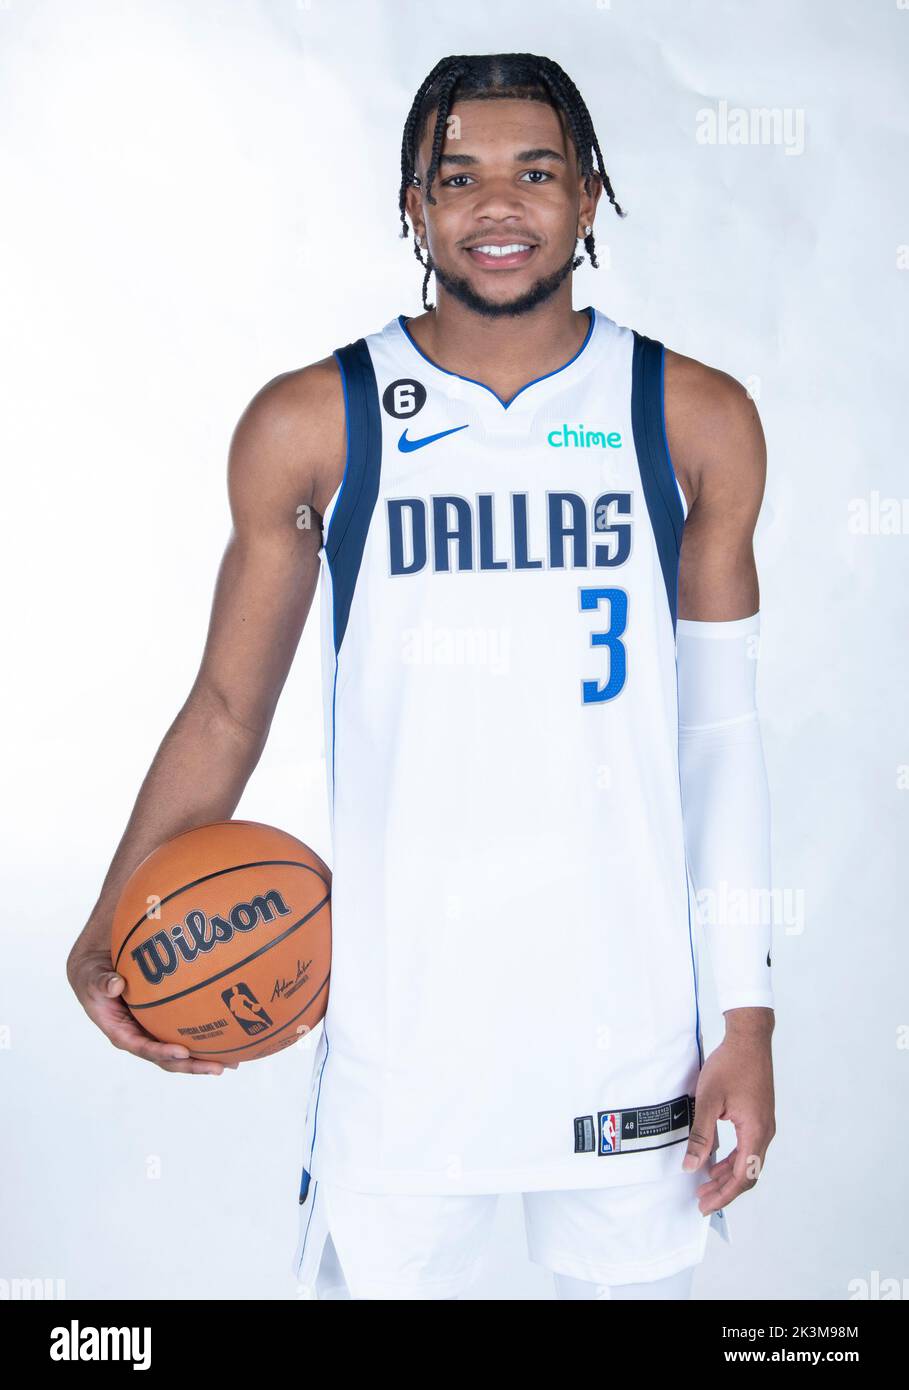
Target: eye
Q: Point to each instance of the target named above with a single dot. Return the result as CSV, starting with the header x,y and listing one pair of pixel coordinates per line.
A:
x,y
539,176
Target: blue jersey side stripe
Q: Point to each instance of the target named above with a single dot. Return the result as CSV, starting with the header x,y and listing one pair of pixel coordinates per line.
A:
x,y
657,475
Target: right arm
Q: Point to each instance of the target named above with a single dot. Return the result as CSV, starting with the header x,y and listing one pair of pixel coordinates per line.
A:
x,y
287,452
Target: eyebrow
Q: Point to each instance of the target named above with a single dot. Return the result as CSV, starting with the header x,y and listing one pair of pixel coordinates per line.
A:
x,y
522,157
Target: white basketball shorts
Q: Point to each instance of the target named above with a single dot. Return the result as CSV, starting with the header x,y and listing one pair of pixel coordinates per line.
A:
x,y
366,1245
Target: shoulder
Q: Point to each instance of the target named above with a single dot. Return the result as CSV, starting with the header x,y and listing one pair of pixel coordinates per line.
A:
x,y
291,437
714,433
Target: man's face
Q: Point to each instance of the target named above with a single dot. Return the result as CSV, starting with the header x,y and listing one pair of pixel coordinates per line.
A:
x,y
507,177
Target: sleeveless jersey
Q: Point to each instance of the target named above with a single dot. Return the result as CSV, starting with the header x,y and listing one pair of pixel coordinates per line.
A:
x,y
513,998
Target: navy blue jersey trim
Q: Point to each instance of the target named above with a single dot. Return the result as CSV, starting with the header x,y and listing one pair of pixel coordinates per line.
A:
x,y
312,1208
591,313
356,502
307,1169
657,475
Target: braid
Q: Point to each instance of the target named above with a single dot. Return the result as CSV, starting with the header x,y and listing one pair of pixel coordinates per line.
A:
x,y
490,77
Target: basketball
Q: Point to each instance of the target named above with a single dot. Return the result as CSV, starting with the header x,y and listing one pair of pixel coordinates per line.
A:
x,y
223,935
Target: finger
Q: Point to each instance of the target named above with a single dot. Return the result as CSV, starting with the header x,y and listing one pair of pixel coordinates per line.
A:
x,y
115,1020
127,1034
713,1195
123,1029
174,1057
721,1170
193,1067
200,1067
124,1032
729,1179
702,1138
107,1010
749,1151
140,1044
724,1193
103,982
152,1049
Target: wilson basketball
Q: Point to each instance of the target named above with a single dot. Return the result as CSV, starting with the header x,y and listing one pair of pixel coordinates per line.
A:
x,y
223,935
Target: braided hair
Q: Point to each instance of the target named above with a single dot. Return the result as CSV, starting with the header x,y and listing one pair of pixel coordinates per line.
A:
x,y
489,77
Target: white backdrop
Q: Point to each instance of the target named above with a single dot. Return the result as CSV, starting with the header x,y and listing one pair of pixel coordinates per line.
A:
x,y
200,195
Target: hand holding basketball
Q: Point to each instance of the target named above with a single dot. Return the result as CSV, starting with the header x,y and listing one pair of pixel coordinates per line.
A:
x,y
98,988
223,935
220,950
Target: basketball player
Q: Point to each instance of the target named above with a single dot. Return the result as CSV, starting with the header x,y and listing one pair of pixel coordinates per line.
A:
x,y
540,617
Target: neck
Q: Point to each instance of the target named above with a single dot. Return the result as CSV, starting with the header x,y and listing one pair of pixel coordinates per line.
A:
x,y
503,352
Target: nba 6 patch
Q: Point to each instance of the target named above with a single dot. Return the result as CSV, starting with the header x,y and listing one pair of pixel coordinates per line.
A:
x,y
642,1127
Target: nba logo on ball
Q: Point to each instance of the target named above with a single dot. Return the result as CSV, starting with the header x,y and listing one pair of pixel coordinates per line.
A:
x,y
246,1009
609,1132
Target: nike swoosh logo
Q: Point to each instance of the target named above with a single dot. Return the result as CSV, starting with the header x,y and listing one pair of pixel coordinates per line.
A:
x,y
407,446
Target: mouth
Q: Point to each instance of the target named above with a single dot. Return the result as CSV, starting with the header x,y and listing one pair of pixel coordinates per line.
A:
x,y
509,256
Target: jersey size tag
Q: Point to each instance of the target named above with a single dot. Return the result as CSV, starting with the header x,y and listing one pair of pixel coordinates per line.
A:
x,y
642,1127
584,1135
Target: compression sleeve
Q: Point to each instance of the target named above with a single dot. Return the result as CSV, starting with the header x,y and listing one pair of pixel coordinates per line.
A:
x,y
726,804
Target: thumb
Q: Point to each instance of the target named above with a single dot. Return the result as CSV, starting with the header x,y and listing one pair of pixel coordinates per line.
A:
x,y
702,1137
108,982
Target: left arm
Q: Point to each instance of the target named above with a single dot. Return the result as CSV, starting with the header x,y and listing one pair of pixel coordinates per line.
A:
x,y
717,447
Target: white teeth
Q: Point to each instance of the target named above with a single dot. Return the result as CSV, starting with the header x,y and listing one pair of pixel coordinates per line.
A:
x,y
502,250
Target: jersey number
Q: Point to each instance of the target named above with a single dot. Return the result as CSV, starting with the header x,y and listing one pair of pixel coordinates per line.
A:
x,y
594,693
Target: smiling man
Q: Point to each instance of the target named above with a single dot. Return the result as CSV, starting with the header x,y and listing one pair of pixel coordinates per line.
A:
x,y
514,1000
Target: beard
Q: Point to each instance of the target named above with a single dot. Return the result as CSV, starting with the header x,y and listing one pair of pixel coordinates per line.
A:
x,y
544,288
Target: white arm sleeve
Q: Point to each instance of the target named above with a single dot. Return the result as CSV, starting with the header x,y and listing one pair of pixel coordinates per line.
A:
x,y
726,804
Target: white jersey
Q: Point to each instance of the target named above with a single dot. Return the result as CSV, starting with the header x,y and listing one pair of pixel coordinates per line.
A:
x,y
513,999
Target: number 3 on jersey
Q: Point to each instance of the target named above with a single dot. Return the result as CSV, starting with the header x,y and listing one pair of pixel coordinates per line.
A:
x,y
594,693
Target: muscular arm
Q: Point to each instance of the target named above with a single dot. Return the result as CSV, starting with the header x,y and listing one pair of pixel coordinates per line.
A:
x,y
286,454
717,446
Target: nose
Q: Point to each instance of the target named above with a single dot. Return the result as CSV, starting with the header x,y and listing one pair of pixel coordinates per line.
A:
x,y
499,200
